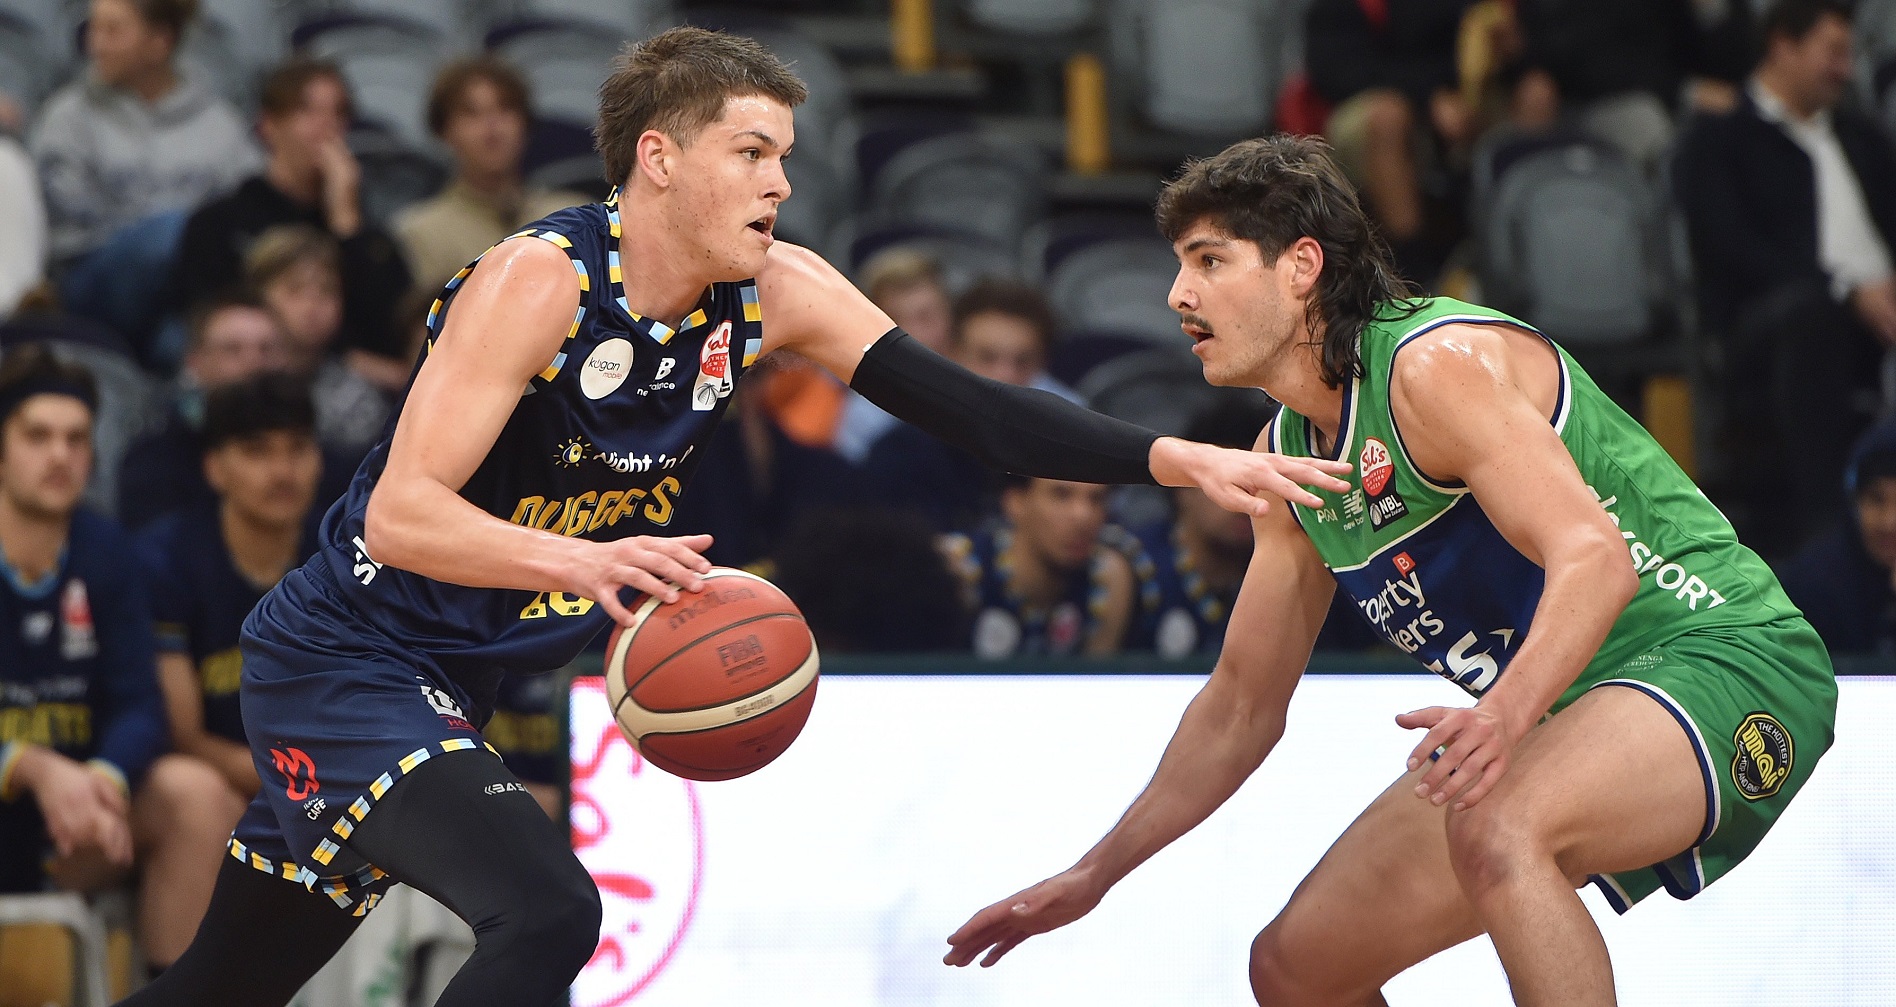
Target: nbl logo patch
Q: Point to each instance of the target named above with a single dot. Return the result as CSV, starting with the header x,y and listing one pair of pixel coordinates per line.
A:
x,y
1763,761
1379,470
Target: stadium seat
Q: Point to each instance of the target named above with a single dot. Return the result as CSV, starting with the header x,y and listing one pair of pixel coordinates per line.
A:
x,y
627,19
1048,242
394,176
977,183
1200,67
52,19
256,31
1572,239
1121,286
1076,354
25,73
964,257
211,53
390,67
1160,389
564,64
819,201
70,913
445,19
826,121
1030,17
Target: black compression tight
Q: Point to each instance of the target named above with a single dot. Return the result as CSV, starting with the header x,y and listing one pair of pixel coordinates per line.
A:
x,y
495,859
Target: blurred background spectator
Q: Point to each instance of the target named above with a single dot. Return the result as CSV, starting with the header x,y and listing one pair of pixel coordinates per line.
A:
x,y
311,179
1845,581
480,109
1046,580
1791,204
124,153
232,338
22,224
907,284
871,581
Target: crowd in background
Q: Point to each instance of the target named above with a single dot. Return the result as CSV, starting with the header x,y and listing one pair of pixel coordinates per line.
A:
x,y
145,222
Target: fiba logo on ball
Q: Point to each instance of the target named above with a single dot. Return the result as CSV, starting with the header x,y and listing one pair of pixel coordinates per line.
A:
x,y
640,833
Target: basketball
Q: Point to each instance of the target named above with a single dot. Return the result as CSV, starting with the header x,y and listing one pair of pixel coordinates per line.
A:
x,y
717,684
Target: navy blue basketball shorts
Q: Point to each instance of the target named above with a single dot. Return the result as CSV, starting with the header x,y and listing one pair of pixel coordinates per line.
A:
x,y
332,728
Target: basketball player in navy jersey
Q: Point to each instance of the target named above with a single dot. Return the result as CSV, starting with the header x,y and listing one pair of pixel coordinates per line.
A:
x,y
548,430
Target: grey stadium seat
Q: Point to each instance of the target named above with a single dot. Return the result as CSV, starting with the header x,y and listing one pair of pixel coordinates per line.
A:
x,y
1202,67
1573,241
394,177
390,70
964,258
628,19
446,19
564,65
826,121
818,202
1119,286
1030,17
25,73
976,183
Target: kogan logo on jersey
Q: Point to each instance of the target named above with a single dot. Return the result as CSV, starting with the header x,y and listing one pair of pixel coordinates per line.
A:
x,y
714,370
606,369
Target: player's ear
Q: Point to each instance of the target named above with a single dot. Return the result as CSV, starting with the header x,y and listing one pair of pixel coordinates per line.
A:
x,y
1305,258
656,154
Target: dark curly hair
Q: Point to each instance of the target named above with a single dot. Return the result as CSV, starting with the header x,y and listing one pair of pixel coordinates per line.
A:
x,y
1276,189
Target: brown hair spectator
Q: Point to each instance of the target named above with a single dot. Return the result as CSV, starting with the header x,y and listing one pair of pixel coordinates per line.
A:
x,y
284,247
1006,297
169,16
283,88
451,84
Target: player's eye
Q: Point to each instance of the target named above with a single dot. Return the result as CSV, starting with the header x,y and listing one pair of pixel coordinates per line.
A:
x,y
1208,261
752,153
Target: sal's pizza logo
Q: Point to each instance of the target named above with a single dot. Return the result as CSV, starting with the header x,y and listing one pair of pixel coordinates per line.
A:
x,y
77,640
714,369
1763,760
639,832
1385,504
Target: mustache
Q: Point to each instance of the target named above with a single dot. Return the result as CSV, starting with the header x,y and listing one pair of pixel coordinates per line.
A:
x,y
1197,322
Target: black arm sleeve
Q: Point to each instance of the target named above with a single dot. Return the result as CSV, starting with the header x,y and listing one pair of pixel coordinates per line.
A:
x,y
1024,431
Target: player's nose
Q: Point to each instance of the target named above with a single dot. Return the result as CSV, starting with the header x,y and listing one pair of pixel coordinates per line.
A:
x,y
1181,297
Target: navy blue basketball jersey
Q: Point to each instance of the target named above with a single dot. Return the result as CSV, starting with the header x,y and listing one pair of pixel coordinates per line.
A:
x,y
1005,624
1184,614
199,600
600,446
525,728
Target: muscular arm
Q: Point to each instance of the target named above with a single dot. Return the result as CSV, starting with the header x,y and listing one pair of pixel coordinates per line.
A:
x,y
1473,404
1228,729
509,320
813,310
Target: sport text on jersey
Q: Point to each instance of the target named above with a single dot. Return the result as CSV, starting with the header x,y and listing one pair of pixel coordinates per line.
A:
x,y
1667,575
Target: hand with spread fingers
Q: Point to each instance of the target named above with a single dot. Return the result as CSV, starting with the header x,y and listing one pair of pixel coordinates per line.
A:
x,y
1471,747
1001,927
1239,480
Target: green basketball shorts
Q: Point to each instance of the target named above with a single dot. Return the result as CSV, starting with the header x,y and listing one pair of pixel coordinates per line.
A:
x,y
1760,707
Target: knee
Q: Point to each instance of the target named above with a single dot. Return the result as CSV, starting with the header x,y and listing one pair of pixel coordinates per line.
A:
x,y
554,921
1276,980
182,795
1490,848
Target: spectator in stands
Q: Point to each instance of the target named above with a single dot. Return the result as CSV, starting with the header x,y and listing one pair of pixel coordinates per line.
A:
x,y
83,785
907,284
125,152
755,482
871,581
1791,205
1001,330
1400,124
210,564
1046,580
22,225
311,179
480,108
1617,68
232,338
1845,581
525,728
297,271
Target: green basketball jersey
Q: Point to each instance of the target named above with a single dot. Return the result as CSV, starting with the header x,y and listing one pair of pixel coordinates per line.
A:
x,y
1426,567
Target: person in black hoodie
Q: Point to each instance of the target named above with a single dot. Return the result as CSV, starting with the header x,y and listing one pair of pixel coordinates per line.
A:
x,y
1845,581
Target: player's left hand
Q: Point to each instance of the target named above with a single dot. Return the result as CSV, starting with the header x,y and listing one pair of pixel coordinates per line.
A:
x,y
999,928
1233,479
1475,744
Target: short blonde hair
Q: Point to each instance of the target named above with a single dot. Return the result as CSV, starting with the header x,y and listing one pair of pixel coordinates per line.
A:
x,y
893,270
286,246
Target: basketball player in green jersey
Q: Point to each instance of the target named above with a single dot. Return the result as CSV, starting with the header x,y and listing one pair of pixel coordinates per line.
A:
x,y
1647,701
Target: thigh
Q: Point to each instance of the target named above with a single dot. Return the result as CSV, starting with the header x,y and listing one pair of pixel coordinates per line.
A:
x,y
1382,899
1611,783
464,831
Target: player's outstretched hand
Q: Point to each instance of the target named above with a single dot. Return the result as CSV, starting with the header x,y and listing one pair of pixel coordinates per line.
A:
x,y
1475,744
1051,904
648,564
1233,479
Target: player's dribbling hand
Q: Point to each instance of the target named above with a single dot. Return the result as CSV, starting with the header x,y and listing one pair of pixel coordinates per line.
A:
x,y
649,564
1233,478
1475,743
1049,905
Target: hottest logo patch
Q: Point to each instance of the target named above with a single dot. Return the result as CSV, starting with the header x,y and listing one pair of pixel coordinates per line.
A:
x,y
1764,758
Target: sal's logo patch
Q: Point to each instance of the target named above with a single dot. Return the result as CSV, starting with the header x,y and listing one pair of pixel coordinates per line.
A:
x,y
714,369
606,368
299,772
1378,469
77,640
1764,757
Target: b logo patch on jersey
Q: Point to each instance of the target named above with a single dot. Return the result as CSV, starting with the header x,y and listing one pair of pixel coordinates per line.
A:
x,y
714,370
1763,760
606,368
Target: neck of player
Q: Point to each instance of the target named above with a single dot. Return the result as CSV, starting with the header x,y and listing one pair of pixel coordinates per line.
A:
x,y
262,551
31,540
1294,377
656,256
